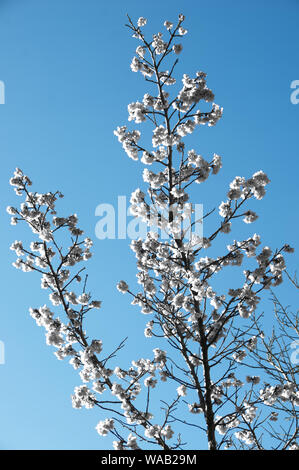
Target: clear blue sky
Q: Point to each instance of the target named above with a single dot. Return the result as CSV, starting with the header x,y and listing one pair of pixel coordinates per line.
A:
x,y
65,65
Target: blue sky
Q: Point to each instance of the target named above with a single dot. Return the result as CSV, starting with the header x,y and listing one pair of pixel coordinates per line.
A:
x,y
65,65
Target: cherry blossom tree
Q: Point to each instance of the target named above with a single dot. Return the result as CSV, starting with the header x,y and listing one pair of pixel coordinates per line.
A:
x,y
209,342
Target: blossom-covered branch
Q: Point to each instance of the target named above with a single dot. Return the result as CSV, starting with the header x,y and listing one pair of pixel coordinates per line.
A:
x,y
208,339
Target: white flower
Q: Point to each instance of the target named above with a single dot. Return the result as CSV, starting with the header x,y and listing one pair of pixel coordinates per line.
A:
x,y
250,217
122,286
17,246
216,164
83,299
140,51
195,408
160,356
182,391
141,21
254,379
152,431
226,227
288,249
182,31
168,25
177,48
96,304
53,338
11,210
239,356
55,298
167,432
103,427
150,382
225,209
118,445
132,442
